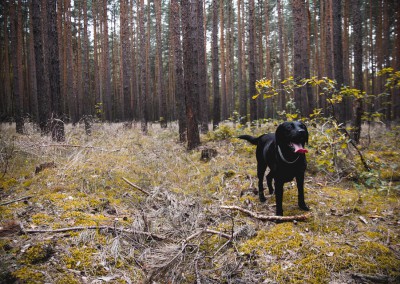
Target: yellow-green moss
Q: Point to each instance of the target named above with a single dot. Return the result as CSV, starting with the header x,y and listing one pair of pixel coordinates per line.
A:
x,y
28,275
9,183
67,279
42,219
37,253
276,241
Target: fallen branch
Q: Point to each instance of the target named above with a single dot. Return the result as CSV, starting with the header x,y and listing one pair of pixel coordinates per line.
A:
x,y
15,200
268,218
135,186
108,228
78,146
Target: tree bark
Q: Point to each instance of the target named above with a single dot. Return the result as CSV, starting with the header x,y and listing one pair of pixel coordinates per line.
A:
x,y
190,63
252,68
358,74
179,85
203,103
42,91
16,46
57,123
215,67
143,84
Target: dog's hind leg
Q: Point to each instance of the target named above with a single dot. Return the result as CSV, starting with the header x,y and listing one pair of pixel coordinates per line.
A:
x,y
270,177
261,168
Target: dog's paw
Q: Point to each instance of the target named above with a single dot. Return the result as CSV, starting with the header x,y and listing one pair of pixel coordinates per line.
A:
x,y
261,196
304,207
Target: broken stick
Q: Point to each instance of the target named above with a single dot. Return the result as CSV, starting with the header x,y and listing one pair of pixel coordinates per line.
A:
x,y
135,186
108,228
15,200
268,218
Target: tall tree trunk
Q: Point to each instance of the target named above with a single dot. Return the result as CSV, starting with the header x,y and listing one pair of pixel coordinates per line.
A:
x,y
125,58
190,63
268,73
143,96
282,99
86,96
16,45
346,58
299,53
215,66
224,112
241,84
70,88
57,124
179,85
42,91
202,69
32,71
162,97
106,67
338,52
96,75
252,68
6,105
358,75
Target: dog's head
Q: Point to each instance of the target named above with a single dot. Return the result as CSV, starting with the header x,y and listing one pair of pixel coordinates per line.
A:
x,y
292,135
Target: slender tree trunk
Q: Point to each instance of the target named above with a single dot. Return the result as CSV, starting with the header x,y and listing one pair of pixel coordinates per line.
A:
x,y
142,97
17,64
42,91
161,94
252,68
190,63
202,69
224,112
241,84
215,66
282,99
7,100
32,71
346,58
179,85
57,124
86,100
268,73
358,75
106,67
70,88
338,52
125,60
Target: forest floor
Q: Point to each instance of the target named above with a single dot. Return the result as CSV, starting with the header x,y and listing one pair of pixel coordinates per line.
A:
x,y
78,220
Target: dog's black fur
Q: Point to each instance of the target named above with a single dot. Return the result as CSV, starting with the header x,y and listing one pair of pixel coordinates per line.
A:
x,y
284,153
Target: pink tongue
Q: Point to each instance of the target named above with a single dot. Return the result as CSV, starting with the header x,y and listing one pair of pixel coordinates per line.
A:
x,y
298,148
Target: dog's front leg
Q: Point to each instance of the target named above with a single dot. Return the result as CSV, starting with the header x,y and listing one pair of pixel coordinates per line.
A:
x,y
279,197
300,188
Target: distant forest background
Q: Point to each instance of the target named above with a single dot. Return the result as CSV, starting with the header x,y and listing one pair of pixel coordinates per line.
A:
x,y
193,61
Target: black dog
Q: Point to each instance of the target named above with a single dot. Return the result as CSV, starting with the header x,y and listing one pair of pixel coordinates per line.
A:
x,y
284,153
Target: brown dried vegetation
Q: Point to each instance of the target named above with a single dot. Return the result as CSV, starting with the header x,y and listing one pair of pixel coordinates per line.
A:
x,y
82,223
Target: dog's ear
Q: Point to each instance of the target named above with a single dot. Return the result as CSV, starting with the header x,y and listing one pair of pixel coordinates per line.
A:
x,y
305,128
280,134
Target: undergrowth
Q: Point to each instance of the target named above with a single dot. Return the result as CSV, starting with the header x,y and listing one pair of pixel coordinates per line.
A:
x,y
178,233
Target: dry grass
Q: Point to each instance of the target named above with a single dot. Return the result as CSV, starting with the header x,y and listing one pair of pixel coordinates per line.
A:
x,y
353,235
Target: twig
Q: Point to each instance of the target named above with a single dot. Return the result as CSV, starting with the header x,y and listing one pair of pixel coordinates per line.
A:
x,y
108,228
15,200
78,146
208,231
135,186
268,218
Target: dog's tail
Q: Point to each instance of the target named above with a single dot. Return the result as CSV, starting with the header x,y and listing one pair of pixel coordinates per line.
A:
x,y
251,139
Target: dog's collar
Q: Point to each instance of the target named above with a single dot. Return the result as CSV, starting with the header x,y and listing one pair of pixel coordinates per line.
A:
x,y
283,158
